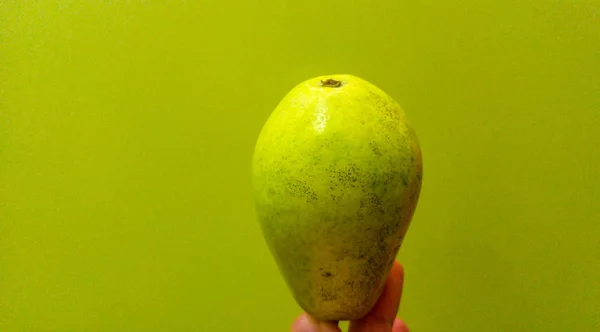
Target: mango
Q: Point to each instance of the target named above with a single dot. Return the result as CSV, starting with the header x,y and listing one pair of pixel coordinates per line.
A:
x,y
336,173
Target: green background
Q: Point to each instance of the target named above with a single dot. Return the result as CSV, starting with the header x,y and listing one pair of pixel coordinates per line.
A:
x,y
127,129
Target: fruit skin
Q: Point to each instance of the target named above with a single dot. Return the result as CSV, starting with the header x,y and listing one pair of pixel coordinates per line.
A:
x,y
336,176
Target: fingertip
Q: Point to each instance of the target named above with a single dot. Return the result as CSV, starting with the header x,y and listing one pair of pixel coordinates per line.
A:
x,y
298,324
306,323
399,326
397,272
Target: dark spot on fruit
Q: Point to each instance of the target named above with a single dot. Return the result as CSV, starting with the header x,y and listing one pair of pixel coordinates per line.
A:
x,y
373,203
397,246
350,283
297,188
375,148
326,274
387,136
326,295
346,176
371,261
405,179
336,198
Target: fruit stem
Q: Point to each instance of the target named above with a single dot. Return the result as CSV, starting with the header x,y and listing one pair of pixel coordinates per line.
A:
x,y
331,83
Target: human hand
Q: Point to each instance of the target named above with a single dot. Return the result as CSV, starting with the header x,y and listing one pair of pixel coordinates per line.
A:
x,y
382,318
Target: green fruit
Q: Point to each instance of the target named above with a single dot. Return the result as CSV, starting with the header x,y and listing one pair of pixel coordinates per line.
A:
x,y
337,176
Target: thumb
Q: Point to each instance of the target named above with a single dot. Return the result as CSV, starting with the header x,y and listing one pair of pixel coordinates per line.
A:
x,y
306,323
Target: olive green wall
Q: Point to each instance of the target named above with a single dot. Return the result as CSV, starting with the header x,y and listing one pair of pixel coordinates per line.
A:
x,y
127,128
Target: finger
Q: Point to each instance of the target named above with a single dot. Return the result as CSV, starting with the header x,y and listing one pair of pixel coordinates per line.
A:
x,y
399,326
306,323
383,314
387,307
